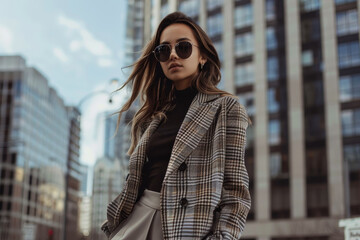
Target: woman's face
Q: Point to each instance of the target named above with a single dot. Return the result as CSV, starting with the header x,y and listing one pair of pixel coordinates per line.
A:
x,y
180,71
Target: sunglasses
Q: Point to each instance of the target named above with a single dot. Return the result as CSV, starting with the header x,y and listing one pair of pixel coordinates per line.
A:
x,y
183,50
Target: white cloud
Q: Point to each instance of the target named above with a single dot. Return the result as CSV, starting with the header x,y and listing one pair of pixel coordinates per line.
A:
x,y
69,23
85,40
105,62
75,45
6,39
60,54
94,46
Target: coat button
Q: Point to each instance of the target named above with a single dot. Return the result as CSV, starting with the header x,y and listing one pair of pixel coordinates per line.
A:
x,y
183,167
183,202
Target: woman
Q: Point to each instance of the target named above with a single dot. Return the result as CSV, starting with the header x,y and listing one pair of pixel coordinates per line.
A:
x,y
187,178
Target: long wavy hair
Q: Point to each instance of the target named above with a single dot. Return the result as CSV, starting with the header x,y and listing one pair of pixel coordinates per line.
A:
x,y
156,91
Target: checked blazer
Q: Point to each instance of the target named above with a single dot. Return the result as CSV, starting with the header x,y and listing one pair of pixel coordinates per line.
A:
x,y
205,193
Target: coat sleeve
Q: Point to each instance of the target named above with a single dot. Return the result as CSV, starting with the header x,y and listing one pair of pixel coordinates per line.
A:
x,y
235,200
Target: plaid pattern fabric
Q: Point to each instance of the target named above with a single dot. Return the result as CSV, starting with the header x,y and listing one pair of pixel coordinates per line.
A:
x,y
209,199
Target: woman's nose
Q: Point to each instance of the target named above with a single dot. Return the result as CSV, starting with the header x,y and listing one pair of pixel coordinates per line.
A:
x,y
173,54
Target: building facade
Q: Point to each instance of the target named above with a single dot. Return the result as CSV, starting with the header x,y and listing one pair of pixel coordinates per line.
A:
x,y
34,143
106,186
295,66
73,177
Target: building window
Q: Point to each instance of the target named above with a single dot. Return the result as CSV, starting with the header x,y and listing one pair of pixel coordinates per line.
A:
x,y
313,94
310,30
164,9
314,127
247,100
271,40
349,87
275,165
244,44
349,54
274,132
307,58
244,74
190,7
338,2
316,187
18,89
270,10
352,156
249,137
243,16
273,68
273,102
215,25
212,4
219,49
350,122
309,5
347,22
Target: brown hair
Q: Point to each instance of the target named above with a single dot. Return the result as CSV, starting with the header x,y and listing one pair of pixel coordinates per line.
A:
x,y
156,91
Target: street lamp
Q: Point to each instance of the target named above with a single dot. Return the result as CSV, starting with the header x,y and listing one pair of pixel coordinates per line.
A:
x,y
112,82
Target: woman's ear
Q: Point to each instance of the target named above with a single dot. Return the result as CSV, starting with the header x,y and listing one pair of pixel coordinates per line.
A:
x,y
202,60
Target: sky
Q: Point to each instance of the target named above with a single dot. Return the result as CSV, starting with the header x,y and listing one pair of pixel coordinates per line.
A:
x,y
79,47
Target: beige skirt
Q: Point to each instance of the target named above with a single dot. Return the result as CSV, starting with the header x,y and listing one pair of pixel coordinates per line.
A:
x,y
144,222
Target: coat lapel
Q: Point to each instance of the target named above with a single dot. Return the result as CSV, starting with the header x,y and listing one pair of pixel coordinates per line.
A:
x,y
197,121
138,157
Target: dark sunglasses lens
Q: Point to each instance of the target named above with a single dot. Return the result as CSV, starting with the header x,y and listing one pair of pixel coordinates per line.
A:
x,y
183,49
162,53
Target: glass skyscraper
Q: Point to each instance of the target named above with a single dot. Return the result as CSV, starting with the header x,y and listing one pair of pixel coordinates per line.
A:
x,y
34,144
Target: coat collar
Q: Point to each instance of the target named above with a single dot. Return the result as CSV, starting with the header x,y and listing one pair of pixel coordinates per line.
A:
x,y
195,124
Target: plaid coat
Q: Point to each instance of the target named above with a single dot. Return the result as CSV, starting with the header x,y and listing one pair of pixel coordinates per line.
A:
x,y
205,192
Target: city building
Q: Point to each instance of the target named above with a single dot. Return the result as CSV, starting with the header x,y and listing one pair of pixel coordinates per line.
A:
x,y
85,217
34,144
110,140
73,177
106,187
134,39
84,221
124,139
295,66
84,170
111,169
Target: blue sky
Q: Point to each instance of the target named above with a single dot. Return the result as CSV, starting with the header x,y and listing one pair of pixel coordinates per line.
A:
x,y
77,45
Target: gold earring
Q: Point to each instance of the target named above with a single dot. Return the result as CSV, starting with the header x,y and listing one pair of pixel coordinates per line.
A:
x,y
202,66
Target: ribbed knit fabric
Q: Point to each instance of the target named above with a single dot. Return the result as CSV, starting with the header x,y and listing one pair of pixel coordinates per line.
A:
x,y
162,140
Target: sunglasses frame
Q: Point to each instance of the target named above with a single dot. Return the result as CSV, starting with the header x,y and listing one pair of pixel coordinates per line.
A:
x,y
171,48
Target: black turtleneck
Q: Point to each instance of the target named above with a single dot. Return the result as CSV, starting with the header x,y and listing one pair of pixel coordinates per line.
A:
x,y
162,140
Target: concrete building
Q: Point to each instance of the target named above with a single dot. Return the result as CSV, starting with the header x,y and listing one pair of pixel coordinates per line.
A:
x,y
295,66
134,30
34,143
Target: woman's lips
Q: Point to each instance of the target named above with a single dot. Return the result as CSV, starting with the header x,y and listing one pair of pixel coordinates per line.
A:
x,y
174,65
174,68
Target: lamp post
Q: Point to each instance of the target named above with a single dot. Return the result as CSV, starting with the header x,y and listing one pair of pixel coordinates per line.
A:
x,y
112,82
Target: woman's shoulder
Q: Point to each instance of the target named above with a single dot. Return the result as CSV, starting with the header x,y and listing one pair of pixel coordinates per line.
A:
x,y
229,100
233,106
